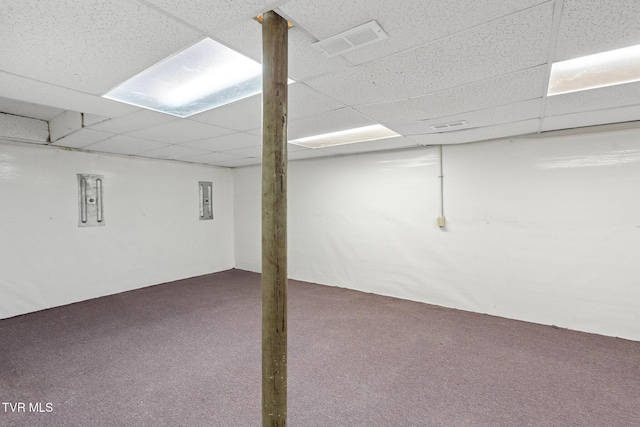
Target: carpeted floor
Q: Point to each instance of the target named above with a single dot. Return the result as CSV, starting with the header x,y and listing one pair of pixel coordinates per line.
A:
x,y
187,353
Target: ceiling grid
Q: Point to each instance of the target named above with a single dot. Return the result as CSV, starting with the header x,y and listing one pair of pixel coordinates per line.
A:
x,y
484,63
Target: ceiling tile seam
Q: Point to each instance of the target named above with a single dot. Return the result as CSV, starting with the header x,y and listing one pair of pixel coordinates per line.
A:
x,y
130,131
60,87
273,6
467,130
87,150
242,148
367,117
353,110
311,78
172,145
551,52
323,94
116,135
204,33
211,138
49,142
460,86
152,139
18,115
295,23
84,150
312,38
468,112
227,26
603,110
214,126
606,127
453,132
202,155
18,141
172,16
485,23
334,155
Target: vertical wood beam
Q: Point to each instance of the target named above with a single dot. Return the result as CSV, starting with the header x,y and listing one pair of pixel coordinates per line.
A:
x,y
274,220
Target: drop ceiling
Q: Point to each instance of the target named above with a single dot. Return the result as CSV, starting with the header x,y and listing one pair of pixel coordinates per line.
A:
x,y
486,63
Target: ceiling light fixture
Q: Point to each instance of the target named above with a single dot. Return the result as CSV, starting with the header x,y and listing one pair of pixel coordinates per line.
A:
x,y
199,78
603,69
349,136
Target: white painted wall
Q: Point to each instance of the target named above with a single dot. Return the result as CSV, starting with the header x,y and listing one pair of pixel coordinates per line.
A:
x,y
542,229
152,234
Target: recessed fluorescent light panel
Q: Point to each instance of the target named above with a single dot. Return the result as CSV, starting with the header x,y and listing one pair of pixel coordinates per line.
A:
x,y
203,76
350,136
593,71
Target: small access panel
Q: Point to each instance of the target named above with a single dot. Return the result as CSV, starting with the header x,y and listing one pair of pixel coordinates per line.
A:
x,y
206,200
90,201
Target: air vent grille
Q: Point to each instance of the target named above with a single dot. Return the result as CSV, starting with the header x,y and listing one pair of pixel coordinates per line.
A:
x,y
447,126
336,46
351,39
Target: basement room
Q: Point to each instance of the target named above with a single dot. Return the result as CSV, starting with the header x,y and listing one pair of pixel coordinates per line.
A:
x,y
320,213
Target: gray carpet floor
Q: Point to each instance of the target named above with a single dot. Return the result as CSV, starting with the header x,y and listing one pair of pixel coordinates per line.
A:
x,y
187,353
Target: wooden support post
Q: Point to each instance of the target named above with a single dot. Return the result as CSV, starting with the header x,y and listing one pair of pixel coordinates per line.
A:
x,y
274,220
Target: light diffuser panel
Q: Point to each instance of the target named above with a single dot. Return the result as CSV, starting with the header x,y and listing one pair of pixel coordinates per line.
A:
x,y
603,69
349,136
203,76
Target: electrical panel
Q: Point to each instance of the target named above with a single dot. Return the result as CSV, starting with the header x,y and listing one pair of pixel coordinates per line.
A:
x,y
90,201
206,200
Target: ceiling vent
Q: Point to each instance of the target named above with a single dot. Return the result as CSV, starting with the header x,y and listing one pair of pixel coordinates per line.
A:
x,y
351,39
448,126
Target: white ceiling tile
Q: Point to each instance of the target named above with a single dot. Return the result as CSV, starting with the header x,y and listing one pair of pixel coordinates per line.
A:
x,y
139,120
244,37
591,118
255,152
503,46
332,121
180,131
212,158
310,154
120,144
240,163
81,138
590,26
483,61
502,90
247,114
212,15
604,97
173,152
241,115
487,117
28,109
28,90
295,147
304,61
378,145
479,134
408,24
226,142
113,40
305,101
